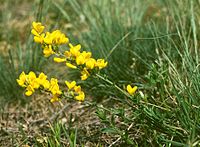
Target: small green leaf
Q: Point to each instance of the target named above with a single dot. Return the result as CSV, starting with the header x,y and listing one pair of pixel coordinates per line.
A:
x,y
108,130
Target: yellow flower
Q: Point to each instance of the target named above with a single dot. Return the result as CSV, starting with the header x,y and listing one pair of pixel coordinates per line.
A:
x,y
42,76
75,50
55,98
70,65
29,90
34,32
45,84
54,87
32,80
43,80
62,39
35,83
37,28
59,60
48,51
22,79
28,93
29,81
70,85
39,39
67,54
77,89
131,90
84,77
80,60
83,57
80,96
31,76
86,55
59,38
56,37
90,63
101,63
48,39
84,74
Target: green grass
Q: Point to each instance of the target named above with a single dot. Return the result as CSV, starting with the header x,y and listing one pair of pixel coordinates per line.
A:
x,y
152,44
18,56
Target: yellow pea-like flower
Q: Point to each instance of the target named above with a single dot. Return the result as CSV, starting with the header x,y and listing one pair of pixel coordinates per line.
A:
x,y
54,87
37,28
55,98
70,65
60,38
28,93
84,74
80,60
90,63
101,63
31,76
70,85
35,83
22,79
86,55
84,77
56,37
77,89
29,90
67,54
48,39
42,76
64,40
48,51
34,32
45,84
33,80
131,90
43,80
55,34
75,50
59,60
80,96
39,38
83,57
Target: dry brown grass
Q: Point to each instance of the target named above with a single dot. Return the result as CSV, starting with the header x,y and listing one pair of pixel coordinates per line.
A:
x,y
24,123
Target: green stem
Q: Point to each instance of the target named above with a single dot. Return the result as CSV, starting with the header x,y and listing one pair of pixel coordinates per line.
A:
x,y
111,83
94,104
118,88
126,94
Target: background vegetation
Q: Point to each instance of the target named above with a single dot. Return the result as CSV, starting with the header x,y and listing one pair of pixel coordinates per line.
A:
x,y
153,44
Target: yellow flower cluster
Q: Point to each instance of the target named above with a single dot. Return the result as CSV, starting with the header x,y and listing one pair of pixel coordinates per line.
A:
x,y
54,89
75,90
74,58
49,41
31,82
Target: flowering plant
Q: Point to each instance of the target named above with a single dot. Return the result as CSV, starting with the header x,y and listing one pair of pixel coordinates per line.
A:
x,y
73,58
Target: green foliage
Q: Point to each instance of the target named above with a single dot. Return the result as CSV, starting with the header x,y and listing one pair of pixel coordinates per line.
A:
x,y
156,45
60,135
20,57
152,44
